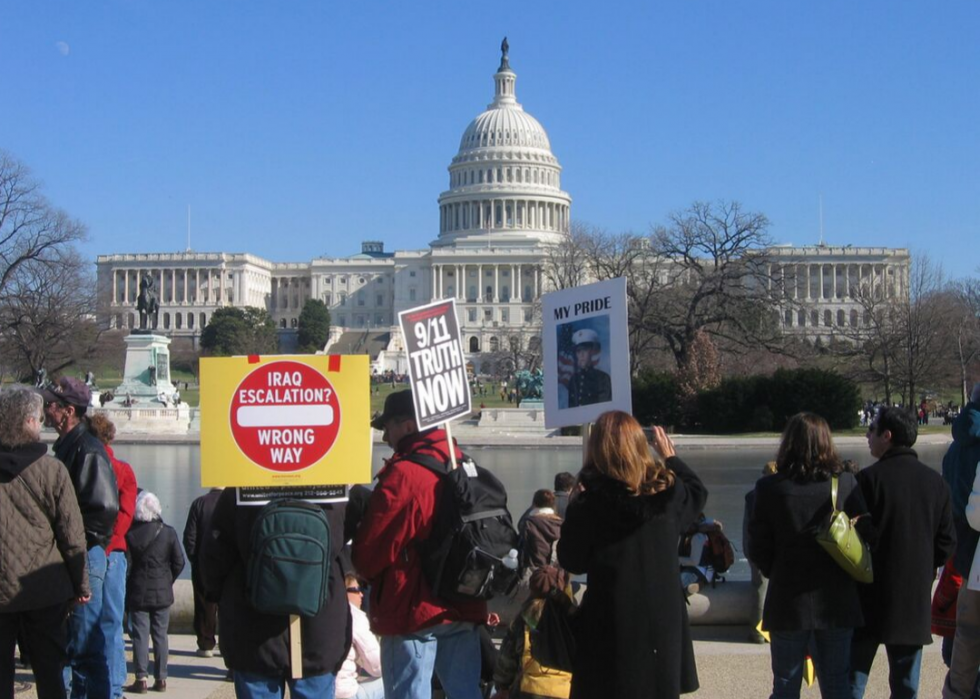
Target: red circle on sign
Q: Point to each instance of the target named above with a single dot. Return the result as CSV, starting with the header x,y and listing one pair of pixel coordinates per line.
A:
x,y
285,416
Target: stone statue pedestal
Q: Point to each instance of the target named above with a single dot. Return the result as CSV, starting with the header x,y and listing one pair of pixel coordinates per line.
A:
x,y
147,373
144,401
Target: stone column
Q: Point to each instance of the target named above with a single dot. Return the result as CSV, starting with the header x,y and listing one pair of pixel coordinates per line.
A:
x,y
496,283
519,285
433,282
537,291
126,286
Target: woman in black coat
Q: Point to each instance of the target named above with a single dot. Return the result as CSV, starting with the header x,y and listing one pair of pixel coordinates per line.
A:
x,y
810,598
156,560
622,529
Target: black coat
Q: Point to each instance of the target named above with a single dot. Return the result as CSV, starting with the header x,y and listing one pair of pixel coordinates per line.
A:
x,y
909,503
259,643
94,480
807,588
155,561
634,639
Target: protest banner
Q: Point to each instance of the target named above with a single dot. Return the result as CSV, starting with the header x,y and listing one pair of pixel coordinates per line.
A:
x,y
277,421
436,363
585,340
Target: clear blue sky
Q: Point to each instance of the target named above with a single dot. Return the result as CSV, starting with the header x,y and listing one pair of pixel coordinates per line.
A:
x,y
296,128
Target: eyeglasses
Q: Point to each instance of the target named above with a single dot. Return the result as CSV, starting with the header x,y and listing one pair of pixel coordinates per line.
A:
x,y
355,590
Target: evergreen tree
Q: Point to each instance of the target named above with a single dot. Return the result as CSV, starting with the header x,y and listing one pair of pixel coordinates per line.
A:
x,y
314,326
238,331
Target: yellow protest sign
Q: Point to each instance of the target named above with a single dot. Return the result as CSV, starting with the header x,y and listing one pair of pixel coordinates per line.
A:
x,y
285,420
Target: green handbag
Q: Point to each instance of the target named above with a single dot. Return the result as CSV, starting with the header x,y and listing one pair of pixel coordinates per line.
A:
x,y
840,539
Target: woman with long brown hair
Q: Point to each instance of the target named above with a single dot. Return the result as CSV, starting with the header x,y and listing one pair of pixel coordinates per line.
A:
x,y
621,529
810,598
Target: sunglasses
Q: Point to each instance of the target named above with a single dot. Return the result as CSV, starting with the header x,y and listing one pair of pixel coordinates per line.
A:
x,y
355,590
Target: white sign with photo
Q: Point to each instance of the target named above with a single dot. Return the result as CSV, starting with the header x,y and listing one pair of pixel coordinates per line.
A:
x,y
585,340
436,363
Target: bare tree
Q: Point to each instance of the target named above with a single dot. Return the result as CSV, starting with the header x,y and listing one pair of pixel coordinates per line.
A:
x,y
924,324
564,265
31,229
47,314
966,329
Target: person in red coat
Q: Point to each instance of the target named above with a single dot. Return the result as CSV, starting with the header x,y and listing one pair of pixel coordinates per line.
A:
x,y
419,632
114,594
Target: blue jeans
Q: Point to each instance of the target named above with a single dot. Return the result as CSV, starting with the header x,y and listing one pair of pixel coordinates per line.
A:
x,y
87,674
904,663
250,686
113,606
831,657
452,650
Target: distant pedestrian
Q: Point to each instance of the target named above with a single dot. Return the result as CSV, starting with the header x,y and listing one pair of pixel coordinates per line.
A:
x,y
42,547
910,507
633,638
197,530
114,602
564,482
157,562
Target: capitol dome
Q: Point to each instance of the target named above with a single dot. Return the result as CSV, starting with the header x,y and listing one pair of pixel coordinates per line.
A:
x,y
504,182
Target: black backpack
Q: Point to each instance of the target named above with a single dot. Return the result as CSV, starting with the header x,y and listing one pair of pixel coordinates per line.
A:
x,y
288,569
472,535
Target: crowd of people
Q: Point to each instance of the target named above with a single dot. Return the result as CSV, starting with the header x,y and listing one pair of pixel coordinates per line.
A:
x,y
80,544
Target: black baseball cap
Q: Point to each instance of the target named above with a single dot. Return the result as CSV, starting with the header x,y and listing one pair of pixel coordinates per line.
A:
x,y
398,404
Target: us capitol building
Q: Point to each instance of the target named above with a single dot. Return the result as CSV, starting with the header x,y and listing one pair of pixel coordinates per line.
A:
x,y
503,208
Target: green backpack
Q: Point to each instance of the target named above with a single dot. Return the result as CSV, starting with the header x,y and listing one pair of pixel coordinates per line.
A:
x,y
288,569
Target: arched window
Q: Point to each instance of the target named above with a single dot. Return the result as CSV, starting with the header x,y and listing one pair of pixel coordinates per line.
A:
x,y
494,344
166,321
815,318
204,320
178,320
840,318
788,319
474,344
515,343
293,322
801,319
854,318
828,318
190,321
282,323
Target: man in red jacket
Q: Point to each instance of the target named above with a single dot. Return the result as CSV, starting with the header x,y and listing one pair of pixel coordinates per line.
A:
x,y
419,632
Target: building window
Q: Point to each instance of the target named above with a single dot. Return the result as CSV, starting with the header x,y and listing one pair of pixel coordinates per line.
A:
x,y
504,315
487,314
411,294
342,321
343,299
379,300
360,298
528,315
411,273
379,320
379,280
474,344
293,323
494,344
472,315
471,296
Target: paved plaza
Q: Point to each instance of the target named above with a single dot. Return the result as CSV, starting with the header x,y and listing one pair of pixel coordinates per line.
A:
x,y
728,667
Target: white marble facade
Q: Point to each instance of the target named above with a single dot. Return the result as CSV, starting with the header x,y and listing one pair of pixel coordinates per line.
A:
x,y
504,206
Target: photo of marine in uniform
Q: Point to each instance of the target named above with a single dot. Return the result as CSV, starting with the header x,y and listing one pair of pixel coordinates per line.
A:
x,y
588,384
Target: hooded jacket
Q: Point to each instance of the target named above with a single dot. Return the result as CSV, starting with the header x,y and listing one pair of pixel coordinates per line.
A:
x,y
95,484
42,543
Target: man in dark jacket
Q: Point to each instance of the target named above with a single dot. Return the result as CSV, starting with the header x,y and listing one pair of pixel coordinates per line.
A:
x,y
419,631
255,646
196,531
909,504
959,470
65,403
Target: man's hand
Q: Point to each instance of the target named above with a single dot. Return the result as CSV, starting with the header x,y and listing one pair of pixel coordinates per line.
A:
x,y
83,599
